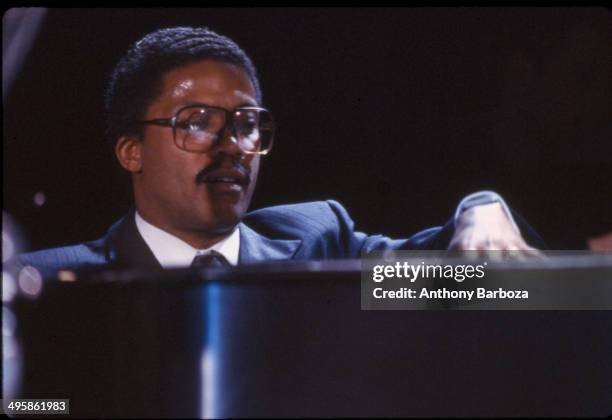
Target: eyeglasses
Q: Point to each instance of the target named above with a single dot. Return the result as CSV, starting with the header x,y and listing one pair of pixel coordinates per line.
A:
x,y
198,128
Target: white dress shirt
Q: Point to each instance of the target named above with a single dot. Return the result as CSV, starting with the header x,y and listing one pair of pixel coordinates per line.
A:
x,y
172,252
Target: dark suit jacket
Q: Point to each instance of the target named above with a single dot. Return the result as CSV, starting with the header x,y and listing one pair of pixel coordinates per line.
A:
x,y
307,231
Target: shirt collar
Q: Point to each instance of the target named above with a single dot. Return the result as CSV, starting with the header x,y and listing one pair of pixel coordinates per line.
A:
x,y
172,252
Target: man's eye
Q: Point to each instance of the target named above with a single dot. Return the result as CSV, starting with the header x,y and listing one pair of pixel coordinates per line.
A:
x,y
197,126
250,124
194,125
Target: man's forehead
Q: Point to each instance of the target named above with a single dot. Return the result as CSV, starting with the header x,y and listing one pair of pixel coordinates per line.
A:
x,y
182,88
185,95
245,97
212,79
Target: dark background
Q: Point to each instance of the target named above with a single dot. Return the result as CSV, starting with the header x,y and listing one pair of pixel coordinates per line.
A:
x,y
396,113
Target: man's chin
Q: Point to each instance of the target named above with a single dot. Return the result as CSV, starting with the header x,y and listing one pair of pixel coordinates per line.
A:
x,y
224,228
220,217
225,222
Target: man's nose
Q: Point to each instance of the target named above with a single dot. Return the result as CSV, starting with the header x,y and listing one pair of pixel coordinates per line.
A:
x,y
228,144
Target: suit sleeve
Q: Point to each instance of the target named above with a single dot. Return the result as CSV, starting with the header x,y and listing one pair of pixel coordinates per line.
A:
x,y
352,243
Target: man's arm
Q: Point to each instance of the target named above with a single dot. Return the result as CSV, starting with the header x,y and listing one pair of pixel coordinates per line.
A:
x,y
326,230
482,221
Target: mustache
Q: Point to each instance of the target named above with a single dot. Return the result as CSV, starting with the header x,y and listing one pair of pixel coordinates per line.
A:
x,y
221,165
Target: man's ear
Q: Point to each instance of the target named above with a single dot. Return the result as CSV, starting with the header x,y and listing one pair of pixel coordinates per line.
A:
x,y
129,153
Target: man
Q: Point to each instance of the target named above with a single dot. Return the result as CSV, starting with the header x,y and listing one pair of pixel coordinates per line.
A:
x,y
185,112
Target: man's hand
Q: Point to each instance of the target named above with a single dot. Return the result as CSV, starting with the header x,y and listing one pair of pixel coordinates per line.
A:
x,y
487,227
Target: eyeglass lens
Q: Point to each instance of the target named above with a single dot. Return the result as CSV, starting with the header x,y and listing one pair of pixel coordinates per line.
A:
x,y
199,128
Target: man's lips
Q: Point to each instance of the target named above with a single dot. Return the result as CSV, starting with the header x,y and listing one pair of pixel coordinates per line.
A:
x,y
232,175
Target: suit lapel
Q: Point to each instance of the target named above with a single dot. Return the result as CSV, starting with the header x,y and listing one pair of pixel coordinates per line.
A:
x,y
126,247
257,248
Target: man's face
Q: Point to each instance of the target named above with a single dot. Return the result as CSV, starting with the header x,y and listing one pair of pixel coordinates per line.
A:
x,y
170,189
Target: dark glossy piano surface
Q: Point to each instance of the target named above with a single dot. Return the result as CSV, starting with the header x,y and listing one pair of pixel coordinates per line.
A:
x,y
292,340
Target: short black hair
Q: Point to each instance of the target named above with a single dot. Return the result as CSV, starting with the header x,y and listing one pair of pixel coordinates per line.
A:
x,y
137,78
